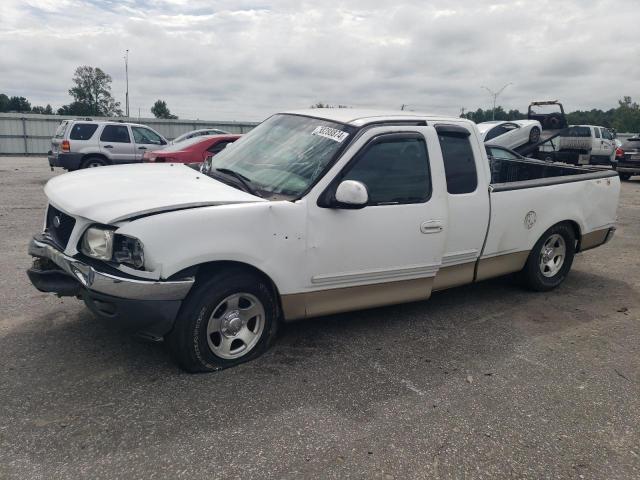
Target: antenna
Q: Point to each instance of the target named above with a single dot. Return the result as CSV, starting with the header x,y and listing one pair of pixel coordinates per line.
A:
x,y
126,74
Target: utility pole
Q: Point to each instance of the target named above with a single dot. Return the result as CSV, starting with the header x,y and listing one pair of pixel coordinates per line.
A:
x,y
126,74
495,97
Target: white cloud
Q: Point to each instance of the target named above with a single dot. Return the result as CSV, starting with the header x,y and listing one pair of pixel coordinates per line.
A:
x,y
247,59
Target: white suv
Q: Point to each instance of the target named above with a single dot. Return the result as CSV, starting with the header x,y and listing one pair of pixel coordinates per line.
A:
x,y
87,143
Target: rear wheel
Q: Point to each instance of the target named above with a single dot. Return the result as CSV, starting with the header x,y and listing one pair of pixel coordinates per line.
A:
x,y
550,259
93,162
228,319
534,135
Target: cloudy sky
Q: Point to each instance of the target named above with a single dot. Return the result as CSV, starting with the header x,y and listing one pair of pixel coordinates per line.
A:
x,y
245,59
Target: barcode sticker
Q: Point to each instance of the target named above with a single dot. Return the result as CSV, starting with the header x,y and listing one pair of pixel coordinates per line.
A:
x,y
331,133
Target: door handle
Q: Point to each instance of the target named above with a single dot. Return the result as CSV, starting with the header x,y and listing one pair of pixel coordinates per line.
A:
x,y
431,226
142,148
108,146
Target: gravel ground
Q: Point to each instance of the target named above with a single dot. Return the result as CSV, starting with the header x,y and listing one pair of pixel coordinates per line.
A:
x,y
483,381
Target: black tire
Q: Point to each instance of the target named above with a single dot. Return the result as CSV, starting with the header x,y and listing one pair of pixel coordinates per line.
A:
x,y
534,135
188,341
554,121
624,176
91,162
532,274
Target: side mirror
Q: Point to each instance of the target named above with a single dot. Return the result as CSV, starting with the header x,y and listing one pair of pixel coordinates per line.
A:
x,y
351,194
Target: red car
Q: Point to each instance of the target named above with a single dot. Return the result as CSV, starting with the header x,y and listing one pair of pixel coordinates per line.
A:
x,y
192,150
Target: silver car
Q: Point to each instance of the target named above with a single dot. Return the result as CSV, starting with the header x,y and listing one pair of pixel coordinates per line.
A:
x,y
88,143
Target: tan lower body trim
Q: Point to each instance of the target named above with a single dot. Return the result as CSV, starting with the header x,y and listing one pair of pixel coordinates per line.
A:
x,y
336,300
454,276
501,265
593,239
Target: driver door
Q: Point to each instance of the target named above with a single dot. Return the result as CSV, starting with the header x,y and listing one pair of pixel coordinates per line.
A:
x,y
513,136
389,250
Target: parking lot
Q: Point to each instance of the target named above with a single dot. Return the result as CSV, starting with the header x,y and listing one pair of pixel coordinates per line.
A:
x,y
484,380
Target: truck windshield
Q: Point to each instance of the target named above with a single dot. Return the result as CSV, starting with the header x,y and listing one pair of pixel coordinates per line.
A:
x,y
285,154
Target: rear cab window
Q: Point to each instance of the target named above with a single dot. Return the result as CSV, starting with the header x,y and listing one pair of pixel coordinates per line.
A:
x,y
459,161
83,131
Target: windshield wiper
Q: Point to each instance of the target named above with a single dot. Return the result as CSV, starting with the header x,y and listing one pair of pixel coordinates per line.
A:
x,y
244,181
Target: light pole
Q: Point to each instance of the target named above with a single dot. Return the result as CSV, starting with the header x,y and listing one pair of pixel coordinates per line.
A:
x,y
495,97
126,74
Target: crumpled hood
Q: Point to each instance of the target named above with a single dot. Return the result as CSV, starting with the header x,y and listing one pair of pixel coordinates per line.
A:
x,y
110,194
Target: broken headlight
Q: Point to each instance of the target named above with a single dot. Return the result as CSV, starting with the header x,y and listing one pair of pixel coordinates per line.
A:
x,y
128,251
104,244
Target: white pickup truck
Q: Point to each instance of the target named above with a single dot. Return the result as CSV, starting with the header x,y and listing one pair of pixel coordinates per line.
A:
x,y
313,212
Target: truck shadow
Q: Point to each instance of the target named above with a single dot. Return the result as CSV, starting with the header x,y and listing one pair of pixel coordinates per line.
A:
x,y
347,365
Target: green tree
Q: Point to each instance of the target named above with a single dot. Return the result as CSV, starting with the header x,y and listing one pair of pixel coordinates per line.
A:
x,y
91,94
627,116
4,103
75,108
43,110
160,110
19,104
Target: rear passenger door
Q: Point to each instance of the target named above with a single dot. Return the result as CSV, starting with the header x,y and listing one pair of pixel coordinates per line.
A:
x,y
513,135
145,140
115,143
468,199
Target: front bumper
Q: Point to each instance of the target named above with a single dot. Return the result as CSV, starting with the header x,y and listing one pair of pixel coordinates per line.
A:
x,y
148,307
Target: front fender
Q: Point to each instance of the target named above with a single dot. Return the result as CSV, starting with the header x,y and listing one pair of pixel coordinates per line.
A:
x,y
270,236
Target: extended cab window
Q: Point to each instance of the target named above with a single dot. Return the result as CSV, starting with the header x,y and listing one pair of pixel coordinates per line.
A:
x,y
459,162
144,135
394,171
597,130
115,134
83,131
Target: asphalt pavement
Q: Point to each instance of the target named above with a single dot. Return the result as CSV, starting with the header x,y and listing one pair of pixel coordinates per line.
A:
x,y
482,381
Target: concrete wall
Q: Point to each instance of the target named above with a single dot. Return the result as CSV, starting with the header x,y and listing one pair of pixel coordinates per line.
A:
x,y
30,134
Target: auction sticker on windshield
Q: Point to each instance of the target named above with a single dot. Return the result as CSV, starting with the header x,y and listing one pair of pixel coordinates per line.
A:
x,y
332,133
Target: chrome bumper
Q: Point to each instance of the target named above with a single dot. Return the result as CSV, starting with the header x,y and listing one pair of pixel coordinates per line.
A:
x,y
108,284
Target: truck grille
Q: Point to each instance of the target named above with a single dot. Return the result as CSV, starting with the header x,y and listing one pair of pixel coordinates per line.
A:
x,y
59,226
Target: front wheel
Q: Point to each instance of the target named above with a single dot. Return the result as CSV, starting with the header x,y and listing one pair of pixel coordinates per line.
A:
x,y
550,259
227,319
624,176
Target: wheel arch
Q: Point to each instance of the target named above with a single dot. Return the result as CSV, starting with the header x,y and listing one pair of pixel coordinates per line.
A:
x,y
203,270
101,156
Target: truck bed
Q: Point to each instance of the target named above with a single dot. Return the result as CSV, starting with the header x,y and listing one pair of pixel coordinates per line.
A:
x,y
516,174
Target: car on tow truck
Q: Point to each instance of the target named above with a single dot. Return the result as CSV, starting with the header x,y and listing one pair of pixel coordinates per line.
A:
x,y
510,134
313,212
